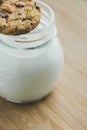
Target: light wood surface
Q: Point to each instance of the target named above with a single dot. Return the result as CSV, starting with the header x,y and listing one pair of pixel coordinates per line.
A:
x,y
66,107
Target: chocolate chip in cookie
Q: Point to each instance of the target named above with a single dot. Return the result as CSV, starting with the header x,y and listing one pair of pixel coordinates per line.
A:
x,y
0,2
3,14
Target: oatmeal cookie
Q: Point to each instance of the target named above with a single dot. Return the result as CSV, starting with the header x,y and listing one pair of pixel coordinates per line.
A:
x,y
18,16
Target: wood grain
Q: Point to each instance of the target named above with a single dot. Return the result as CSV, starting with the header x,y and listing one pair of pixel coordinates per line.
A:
x,y
66,107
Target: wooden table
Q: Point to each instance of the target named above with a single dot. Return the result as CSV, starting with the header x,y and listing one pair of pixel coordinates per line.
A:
x,y
66,107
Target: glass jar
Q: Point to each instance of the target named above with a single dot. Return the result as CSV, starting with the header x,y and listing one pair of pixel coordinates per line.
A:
x,y
30,64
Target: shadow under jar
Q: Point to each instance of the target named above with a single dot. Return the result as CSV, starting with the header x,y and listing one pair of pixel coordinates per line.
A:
x,y
30,64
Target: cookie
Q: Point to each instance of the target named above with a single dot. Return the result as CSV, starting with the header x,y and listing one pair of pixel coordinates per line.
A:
x,y
18,16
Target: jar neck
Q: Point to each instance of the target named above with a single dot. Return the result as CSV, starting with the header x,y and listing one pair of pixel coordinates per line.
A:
x,y
45,31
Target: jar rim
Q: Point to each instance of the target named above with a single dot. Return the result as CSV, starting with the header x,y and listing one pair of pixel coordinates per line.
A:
x,y
38,36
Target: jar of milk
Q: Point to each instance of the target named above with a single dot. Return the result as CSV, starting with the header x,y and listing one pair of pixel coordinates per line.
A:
x,y
30,64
